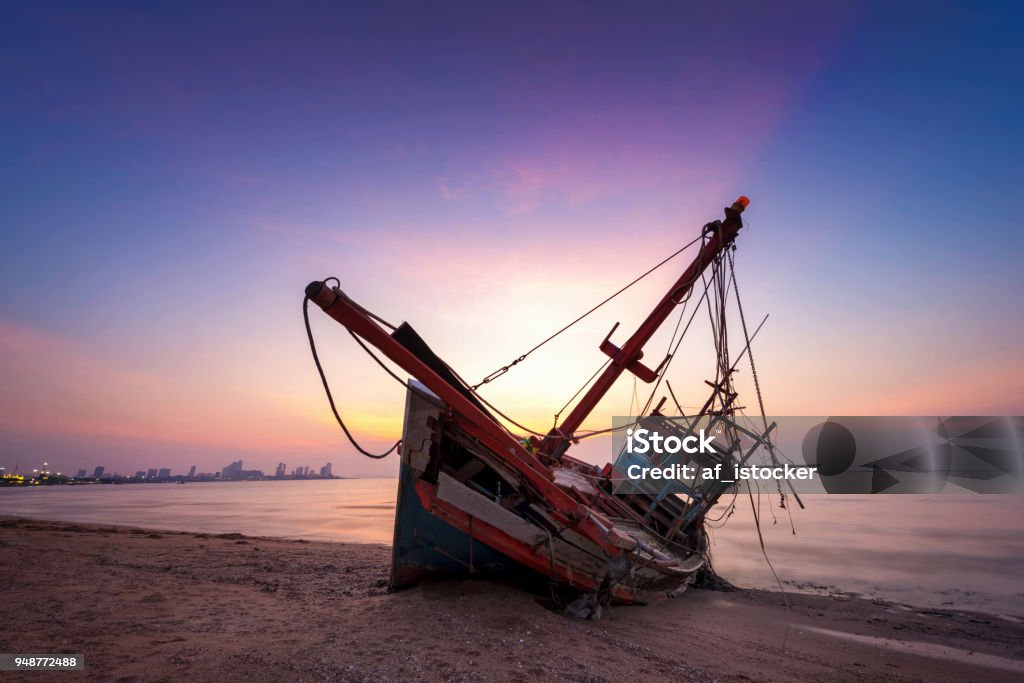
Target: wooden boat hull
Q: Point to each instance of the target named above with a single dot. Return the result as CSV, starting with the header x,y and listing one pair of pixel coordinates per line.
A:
x,y
428,548
460,514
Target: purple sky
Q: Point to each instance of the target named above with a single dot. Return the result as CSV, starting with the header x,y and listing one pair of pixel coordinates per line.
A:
x,y
174,175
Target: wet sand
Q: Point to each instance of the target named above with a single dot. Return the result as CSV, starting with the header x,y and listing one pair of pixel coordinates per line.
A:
x,y
158,605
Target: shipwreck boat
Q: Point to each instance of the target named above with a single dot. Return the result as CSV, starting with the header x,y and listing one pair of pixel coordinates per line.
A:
x,y
476,498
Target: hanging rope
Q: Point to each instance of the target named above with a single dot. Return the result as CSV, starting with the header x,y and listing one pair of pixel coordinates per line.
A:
x,y
757,390
327,388
760,537
750,354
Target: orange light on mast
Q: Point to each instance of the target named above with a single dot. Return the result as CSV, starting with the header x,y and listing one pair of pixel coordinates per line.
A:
x,y
738,206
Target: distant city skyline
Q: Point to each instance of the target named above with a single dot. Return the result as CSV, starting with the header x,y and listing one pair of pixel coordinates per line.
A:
x,y
234,470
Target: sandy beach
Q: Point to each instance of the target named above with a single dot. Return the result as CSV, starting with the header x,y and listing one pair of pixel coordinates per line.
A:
x,y
157,605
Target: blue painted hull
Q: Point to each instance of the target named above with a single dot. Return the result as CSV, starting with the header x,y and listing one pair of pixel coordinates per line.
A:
x,y
427,548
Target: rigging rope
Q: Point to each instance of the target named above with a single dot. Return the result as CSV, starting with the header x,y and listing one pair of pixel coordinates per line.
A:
x,y
505,368
750,355
760,400
674,345
580,390
757,390
489,405
671,356
675,400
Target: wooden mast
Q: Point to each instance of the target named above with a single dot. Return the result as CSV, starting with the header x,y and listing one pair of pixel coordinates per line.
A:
x,y
628,357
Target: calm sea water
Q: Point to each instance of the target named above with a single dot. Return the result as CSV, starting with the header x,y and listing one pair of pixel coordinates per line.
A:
x,y
964,552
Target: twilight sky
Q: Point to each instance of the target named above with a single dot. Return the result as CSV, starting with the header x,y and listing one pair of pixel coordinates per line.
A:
x,y
173,175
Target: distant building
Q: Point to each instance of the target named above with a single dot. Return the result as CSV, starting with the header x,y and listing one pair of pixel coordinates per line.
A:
x,y
151,474
98,472
232,471
325,471
81,474
192,472
279,472
140,475
236,471
164,473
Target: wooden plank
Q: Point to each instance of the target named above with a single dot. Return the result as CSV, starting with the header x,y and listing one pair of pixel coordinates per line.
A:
x,y
477,505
